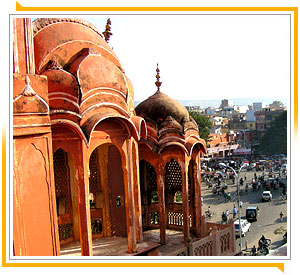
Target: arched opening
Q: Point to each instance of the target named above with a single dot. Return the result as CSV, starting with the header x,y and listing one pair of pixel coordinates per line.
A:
x,y
149,196
107,192
66,196
173,189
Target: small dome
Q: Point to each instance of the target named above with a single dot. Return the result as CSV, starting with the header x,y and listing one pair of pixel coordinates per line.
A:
x,y
159,106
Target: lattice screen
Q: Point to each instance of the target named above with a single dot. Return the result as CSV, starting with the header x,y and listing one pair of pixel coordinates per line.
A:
x,y
152,181
94,179
62,178
173,175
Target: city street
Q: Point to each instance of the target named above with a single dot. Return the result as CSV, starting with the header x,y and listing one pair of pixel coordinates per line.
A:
x,y
268,219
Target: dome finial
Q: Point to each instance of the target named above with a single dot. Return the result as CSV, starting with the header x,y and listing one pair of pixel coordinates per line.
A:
x,y
157,83
107,33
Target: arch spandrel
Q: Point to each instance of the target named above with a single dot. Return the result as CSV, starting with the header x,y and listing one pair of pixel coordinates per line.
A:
x,y
192,142
93,121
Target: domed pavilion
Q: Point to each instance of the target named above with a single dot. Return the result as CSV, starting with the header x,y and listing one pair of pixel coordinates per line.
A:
x,y
170,166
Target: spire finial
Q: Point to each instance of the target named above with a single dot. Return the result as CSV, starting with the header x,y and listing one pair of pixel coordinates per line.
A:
x,y
157,83
107,33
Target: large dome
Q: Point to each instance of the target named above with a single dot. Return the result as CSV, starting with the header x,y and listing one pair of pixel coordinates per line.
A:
x,y
159,106
86,82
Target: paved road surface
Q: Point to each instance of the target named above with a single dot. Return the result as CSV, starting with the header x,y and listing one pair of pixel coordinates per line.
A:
x,y
268,220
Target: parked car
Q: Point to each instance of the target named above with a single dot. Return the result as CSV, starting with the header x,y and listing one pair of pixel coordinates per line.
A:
x,y
245,227
252,213
266,196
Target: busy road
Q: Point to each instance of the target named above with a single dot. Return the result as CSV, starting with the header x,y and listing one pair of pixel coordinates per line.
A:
x,y
269,222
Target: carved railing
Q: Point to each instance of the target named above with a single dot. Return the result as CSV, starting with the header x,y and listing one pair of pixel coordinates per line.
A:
x,y
174,216
65,231
150,215
221,242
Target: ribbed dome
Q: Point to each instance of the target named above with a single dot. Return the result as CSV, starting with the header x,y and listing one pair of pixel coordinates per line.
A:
x,y
159,106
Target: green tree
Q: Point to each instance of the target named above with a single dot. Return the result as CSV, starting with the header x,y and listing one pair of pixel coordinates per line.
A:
x,y
275,139
204,124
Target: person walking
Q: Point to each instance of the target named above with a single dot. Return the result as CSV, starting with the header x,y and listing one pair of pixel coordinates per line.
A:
x,y
258,184
241,204
281,216
234,211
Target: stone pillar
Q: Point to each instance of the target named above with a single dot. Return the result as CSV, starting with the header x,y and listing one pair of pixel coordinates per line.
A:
x,y
198,206
161,200
185,203
84,203
129,192
137,193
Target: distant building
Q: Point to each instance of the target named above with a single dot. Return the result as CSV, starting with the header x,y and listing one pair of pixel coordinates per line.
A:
x,y
194,109
221,145
226,103
258,106
210,111
242,109
264,118
250,125
277,105
250,115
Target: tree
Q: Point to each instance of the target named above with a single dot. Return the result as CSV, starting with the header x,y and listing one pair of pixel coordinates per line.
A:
x,y
204,124
275,139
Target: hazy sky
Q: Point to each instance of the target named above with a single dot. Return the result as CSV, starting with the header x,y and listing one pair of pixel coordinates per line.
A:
x,y
203,56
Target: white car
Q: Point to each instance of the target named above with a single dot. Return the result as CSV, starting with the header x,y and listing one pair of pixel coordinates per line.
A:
x,y
245,227
266,196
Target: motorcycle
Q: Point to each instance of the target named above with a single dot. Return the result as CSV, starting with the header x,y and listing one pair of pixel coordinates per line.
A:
x,y
263,246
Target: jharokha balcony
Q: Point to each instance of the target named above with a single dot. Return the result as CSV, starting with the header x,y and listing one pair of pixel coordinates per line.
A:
x,y
217,240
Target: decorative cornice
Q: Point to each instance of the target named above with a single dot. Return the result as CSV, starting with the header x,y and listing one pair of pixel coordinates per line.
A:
x,y
41,23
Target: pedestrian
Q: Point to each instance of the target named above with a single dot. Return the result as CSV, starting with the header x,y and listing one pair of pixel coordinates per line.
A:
x,y
245,176
281,216
218,193
224,218
208,212
258,184
241,204
234,211
253,251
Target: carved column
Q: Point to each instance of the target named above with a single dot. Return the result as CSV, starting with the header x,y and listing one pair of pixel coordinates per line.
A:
x,y
84,204
161,200
185,202
137,193
198,206
129,191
